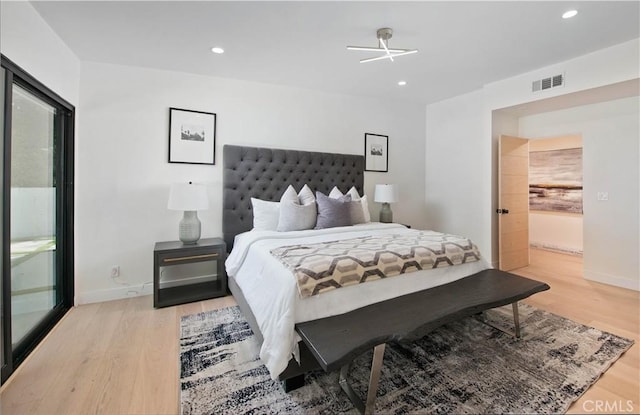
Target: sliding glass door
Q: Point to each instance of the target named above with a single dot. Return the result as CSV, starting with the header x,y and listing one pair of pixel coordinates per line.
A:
x,y
33,213
38,219
3,362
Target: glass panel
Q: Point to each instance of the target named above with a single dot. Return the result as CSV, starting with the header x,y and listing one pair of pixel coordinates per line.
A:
x,y
2,80
33,212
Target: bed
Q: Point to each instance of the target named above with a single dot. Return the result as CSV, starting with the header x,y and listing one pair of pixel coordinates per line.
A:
x,y
268,297
264,174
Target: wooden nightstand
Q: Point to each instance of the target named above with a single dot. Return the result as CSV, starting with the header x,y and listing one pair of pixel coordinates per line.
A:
x,y
186,273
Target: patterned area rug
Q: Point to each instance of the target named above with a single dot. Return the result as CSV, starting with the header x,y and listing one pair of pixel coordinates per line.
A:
x,y
463,367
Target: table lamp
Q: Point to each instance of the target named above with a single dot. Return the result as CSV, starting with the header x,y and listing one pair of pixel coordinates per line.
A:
x,y
190,198
386,193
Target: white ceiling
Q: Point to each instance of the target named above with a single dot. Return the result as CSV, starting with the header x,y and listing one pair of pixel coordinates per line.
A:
x,y
463,45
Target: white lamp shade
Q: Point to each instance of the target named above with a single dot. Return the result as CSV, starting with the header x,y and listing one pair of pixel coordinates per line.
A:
x,y
386,193
188,196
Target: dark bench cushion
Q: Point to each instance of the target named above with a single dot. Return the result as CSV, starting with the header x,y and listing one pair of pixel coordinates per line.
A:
x,y
335,341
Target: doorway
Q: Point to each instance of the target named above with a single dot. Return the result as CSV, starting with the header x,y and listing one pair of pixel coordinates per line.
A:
x,y
37,213
556,194
540,197
606,118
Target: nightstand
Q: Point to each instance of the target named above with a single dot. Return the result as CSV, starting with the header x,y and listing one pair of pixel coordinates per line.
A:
x,y
185,273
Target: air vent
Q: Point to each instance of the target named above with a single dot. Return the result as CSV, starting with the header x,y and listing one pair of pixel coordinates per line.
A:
x,y
547,83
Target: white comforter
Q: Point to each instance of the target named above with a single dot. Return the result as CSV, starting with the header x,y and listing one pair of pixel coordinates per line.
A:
x,y
272,293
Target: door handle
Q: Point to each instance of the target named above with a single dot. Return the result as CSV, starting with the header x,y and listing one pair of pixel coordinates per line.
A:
x,y
502,211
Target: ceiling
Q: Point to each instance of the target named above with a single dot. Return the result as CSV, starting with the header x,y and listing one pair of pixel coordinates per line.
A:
x,y
462,45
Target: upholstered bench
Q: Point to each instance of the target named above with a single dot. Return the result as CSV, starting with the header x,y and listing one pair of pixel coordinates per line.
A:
x,y
336,341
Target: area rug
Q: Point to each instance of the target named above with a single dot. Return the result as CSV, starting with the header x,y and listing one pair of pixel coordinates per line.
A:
x,y
463,367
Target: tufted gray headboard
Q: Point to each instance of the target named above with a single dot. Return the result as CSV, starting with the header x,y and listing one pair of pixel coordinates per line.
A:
x,y
265,173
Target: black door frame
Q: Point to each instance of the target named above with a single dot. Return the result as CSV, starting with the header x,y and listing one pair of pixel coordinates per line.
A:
x,y
64,157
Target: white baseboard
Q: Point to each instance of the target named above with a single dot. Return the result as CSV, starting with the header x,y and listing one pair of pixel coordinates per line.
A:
x,y
116,293
612,280
557,248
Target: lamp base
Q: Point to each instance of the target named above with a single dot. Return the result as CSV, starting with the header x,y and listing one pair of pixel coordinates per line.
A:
x,y
189,229
386,215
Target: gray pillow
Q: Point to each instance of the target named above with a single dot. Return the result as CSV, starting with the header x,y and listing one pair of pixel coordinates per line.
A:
x,y
293,215
359,207
357,212
333,212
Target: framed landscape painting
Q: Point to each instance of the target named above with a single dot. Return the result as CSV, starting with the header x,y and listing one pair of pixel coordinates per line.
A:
x,y
192,136
376,152
555,180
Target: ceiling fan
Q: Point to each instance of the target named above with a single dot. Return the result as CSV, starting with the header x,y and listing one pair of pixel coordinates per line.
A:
x,y
383,36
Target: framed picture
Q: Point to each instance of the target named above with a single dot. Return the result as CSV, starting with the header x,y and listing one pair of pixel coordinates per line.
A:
x,y
376,152
555,180
192,136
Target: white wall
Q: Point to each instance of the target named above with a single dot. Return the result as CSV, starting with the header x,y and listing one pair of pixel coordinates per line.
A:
x,y
451,190
608,66
31,44
557,231
610,136
123,176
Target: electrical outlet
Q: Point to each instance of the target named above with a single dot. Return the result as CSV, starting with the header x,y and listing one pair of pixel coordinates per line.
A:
x,y
115,271
603,195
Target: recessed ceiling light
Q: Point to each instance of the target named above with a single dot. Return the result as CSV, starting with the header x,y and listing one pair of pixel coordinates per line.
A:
x,y
569,14
402,83
217,49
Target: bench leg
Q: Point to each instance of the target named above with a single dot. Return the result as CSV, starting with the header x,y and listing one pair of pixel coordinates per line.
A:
x,y
516,321
516,318
374,379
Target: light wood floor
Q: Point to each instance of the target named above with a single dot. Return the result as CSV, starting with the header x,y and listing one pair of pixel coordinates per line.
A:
x,y
121,357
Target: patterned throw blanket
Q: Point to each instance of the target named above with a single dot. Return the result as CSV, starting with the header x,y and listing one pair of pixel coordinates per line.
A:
x,y
326,266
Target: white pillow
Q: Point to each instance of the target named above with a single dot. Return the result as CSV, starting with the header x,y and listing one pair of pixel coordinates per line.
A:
x,y
336,193
365,209
289,195
354,193
306,195
265,214
295,216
